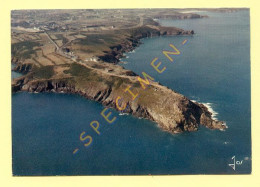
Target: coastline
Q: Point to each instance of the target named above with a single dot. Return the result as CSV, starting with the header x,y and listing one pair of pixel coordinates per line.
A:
x,y
54,121
117,51
184,114
181,119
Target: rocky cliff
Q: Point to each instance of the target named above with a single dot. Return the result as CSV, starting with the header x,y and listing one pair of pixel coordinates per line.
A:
x,y
104,81
22,68
117,51
172,111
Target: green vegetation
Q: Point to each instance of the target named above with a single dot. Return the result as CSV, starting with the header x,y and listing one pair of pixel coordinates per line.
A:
x,y
24,49
98,39
84,77
141,30
148,95
78,70
117,82
83,74
44,72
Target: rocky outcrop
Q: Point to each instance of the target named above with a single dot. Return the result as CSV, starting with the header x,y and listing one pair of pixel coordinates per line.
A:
x,y
117,51
22,68
172,111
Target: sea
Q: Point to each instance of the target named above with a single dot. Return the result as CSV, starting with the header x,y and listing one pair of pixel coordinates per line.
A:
x,y
213,68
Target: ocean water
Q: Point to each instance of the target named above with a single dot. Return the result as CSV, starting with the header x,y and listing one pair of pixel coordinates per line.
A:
x,y
15,74
213,68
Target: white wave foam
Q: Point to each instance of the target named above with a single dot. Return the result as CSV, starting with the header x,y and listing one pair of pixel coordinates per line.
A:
x,y
225,125
122,114
210,109
132,51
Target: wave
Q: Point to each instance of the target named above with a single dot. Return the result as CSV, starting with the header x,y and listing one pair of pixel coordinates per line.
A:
x,y
226,143
122,114
132,51
210,109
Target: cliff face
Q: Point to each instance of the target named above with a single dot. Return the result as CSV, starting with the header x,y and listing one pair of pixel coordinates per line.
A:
x,y
116,52
170,110
22,68
104,82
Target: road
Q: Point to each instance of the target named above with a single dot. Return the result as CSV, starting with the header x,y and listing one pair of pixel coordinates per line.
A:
x,y
57,47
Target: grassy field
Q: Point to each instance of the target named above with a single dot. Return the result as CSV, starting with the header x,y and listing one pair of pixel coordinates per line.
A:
x,y
44,72
24,49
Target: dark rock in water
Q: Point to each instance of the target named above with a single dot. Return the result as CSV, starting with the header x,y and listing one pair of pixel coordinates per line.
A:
x,y
22,68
